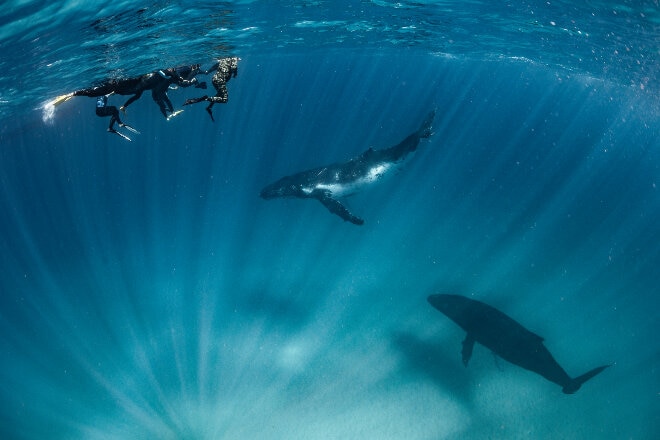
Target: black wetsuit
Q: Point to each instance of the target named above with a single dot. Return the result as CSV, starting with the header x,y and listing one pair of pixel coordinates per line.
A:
x,y
226,68
183,76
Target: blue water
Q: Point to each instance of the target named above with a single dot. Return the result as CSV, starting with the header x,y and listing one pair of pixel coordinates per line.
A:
x,y
148,292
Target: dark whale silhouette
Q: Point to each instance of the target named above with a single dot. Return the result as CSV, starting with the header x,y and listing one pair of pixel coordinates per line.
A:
x,y
506,338
327,183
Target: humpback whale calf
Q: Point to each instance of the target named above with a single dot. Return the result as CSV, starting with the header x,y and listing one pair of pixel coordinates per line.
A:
x,y
327,184
506,338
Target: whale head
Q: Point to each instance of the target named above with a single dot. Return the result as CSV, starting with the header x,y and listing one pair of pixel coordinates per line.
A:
x,y
457,308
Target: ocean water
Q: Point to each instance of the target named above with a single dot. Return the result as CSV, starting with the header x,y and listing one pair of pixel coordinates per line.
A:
x,y
147,292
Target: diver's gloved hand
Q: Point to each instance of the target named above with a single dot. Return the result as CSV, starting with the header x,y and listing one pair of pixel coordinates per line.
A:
x,y
123,109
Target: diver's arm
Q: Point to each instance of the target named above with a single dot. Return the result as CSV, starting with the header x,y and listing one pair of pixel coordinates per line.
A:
x,y
131,100
213,68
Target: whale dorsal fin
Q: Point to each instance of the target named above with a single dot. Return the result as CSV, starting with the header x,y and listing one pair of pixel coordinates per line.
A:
x,y
335,206
367,153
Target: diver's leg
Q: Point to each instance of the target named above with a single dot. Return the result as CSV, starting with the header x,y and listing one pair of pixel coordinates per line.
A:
x,y
221,97
223,94
115,118
160,97
111,128
170,106
163,107
196,100
95,92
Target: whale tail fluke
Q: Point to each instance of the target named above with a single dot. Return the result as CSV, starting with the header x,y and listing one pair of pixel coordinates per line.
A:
x,y
425,129
576,383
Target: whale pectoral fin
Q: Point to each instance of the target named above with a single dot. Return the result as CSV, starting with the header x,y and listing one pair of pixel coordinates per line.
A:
x,y
468,345
425,130
335,207
574,384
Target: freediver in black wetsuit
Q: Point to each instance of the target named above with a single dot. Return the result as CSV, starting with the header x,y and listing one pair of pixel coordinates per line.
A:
x,y
226,68
160,81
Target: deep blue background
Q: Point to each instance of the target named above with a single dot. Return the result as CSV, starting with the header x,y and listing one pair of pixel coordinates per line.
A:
x,y
148,292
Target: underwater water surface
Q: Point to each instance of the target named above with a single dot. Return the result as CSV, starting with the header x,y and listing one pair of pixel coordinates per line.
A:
x,y
147,291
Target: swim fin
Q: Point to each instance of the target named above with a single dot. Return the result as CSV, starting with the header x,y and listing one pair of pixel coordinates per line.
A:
x,y
176,113
112,130
61,99
210,112
129,128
